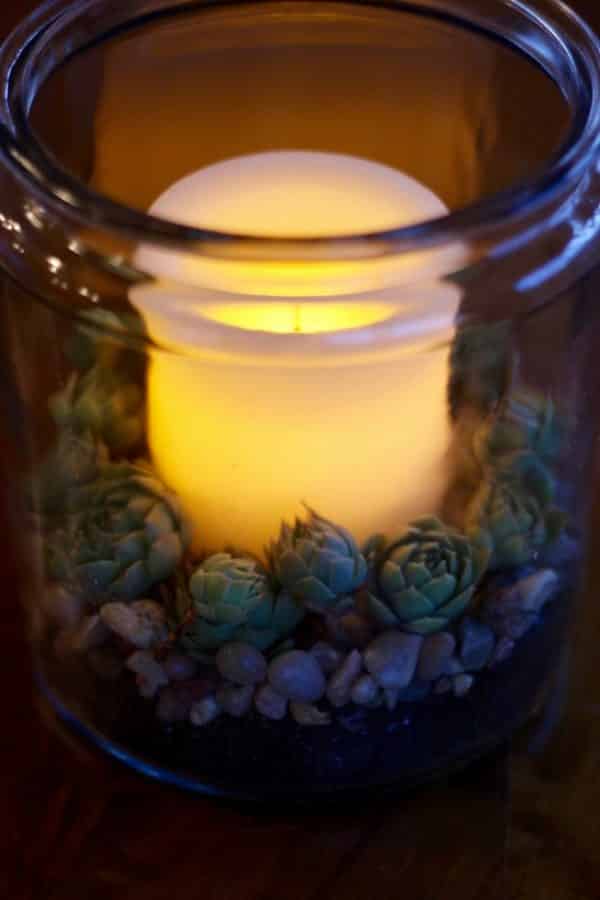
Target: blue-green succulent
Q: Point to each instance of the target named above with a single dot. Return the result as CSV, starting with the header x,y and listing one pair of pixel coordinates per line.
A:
x,y
427,578
230,599
317,561
124,533
514,513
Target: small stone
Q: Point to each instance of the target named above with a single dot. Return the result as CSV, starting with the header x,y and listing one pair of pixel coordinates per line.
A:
x,y
296,675
269,703
504,649
365,691
152,622
142,624
179,667
435,653
328,657
443,686
477,643
339,687
462,684
105,662
62,605
236,701
92,633
150,675
204,711
309,714
537,590
453,667
241,663
392,658
171,706
512,611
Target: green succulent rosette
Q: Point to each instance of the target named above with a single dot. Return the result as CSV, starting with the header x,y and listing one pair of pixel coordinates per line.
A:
x,y
528,422
104,403
427,578
317,562
514,514
230,599
73,462
124,534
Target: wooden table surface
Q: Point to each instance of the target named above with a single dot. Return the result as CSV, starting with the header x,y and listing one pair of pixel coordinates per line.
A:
x,y
73,825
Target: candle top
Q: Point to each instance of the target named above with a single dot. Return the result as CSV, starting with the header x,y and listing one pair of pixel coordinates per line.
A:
x,y
298,194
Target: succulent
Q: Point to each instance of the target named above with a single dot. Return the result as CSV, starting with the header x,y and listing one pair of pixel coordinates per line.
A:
x,y
317,562
103,402
481,365
74,461
230,599
92,343
514,514
528,422
124,534
427,578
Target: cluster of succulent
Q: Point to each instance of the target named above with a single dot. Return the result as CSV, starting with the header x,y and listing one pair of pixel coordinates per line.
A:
x,y
123,533
103,402
103,396
75,460
231,599
513,510
392,620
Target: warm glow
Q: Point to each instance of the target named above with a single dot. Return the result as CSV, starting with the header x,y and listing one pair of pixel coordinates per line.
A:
x,y
299,318
294,195
270,411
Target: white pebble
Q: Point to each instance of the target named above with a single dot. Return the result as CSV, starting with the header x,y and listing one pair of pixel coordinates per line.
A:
x,y
328,657
365,691
309,714
205,711
296,675
392,658
150,675
241,663
463,684
339,688
269,703
142,623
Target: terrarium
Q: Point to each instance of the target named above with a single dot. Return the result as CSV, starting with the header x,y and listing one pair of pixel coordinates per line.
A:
x,y
301,303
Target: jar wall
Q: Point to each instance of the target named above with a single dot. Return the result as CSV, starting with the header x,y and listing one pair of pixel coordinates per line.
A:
x,y
300,558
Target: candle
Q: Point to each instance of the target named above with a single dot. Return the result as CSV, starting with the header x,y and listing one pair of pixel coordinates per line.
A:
x,y
288,383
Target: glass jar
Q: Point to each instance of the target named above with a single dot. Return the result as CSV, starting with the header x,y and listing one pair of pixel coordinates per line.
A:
x,y
300,300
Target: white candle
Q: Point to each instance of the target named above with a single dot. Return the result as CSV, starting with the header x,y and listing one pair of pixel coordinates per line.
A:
x,y
263,405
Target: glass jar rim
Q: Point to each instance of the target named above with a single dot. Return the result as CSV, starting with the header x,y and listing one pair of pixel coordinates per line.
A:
x,y
557,39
